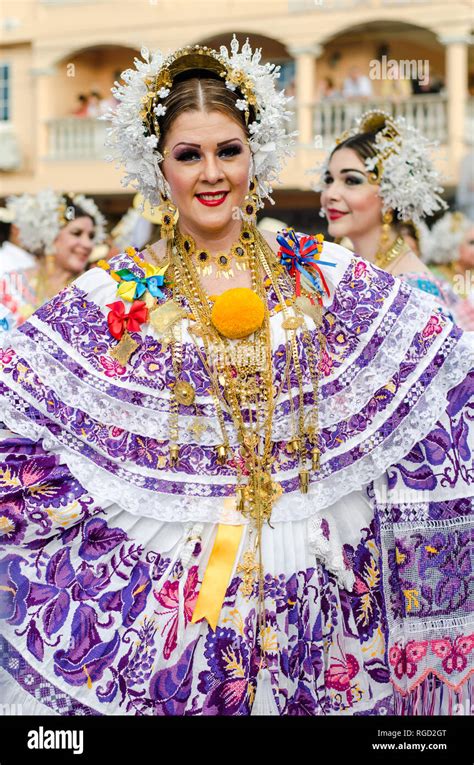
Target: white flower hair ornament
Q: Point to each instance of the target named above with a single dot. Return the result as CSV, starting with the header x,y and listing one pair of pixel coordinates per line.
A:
x,y
403,166
441,244
40,217
135,131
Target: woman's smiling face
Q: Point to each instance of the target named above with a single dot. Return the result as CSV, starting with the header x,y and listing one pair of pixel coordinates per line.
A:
x,y
207,161
74,244
351,202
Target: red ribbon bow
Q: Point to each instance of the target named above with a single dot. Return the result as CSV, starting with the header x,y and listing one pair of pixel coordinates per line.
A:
x,y
119,321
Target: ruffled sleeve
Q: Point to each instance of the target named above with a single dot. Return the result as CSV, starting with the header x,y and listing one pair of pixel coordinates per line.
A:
x,y
389,362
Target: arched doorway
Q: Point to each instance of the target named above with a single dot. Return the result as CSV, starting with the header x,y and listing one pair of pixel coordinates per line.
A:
x,y
78,92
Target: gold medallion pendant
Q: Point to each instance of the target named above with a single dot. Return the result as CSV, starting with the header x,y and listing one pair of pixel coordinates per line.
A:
x,y
250,569
260,495
292,322
184,393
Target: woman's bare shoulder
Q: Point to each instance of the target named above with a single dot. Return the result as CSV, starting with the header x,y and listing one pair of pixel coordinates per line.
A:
x,y
271,239
409,263
159,249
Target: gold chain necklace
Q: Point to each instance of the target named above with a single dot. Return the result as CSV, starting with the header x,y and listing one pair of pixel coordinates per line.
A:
x,y
383,259
242,385
245,387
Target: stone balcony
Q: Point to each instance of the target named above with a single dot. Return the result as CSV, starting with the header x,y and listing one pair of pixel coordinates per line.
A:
x,y
77,144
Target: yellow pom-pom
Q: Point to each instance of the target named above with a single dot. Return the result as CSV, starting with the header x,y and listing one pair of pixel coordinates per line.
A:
x,y
237,313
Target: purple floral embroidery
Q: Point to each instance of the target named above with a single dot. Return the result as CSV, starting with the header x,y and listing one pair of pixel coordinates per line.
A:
x,y
87,585
12,523
99,539
431,572
446,447
88,658
170,687
131,600
14,588
226,682
366,596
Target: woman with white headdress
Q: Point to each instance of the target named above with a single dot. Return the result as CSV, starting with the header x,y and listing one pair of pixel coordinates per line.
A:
x,y
60,230
448,250
378,184
237,473
13,256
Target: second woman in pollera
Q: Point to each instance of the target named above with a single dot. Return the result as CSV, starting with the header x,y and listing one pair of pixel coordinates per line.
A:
x,y
60,231
377,180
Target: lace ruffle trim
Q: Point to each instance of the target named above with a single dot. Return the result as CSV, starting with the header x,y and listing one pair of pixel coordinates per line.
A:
x,y
108,489
150,423
328,548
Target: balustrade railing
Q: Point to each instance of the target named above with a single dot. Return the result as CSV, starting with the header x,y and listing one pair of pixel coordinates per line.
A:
x,y
428,113
71,138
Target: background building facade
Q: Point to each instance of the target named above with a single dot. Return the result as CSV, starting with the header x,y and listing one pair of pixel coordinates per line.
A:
x,y
52,51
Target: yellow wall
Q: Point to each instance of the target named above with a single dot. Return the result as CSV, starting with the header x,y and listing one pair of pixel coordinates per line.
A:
x,y
100,37
91,70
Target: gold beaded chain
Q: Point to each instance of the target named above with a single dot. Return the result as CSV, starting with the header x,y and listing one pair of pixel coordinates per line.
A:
x,y
220,350
299,444
241,393
314,367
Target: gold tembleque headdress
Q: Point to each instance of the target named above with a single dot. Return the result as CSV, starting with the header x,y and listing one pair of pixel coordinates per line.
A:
x,y
135,131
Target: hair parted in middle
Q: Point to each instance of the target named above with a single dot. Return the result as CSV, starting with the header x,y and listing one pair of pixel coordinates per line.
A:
x,y
200,93
152,93
398,158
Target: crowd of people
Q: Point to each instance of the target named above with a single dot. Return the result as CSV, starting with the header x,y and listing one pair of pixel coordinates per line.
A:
x,y
93,105
237,471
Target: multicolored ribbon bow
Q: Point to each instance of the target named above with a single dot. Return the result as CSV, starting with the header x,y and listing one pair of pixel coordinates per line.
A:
x,y
132,287
299,256
119,321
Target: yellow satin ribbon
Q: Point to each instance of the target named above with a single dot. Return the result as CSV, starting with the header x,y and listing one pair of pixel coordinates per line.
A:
x,y
217,574
126,290
151,270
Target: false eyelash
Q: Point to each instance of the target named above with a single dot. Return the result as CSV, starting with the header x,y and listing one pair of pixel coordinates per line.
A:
x,y
233,149
188,154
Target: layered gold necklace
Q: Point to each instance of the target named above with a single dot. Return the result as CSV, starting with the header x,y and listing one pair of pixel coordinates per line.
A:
x,y
398,248
241,376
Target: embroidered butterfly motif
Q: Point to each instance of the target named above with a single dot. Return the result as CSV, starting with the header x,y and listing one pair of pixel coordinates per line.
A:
x,y
111,367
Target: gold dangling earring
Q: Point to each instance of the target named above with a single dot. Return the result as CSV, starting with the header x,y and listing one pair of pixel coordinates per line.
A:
x,y
252,202
387,220
168,213
49,262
